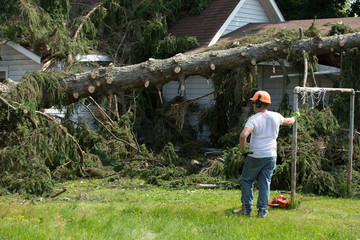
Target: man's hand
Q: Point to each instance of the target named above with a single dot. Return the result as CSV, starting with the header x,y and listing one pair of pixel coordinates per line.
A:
x,y
296,114
246,152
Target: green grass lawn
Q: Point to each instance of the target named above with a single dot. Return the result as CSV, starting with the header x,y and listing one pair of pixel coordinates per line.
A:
x,y
124,209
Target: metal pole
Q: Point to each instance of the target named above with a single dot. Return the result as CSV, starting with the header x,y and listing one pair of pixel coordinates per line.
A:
x,y
294,151
351,139
298,90
315,89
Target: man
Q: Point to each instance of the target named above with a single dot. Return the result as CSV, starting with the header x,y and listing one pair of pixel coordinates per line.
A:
x,y
260,158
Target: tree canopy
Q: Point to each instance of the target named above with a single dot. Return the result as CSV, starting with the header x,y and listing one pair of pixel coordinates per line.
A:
x,y
308,9
130,31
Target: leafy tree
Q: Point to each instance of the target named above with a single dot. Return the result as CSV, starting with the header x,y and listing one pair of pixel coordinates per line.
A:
x,y
309,9
354,9
130,31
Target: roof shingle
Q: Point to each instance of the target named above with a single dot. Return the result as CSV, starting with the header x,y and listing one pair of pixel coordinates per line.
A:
x,y
206,25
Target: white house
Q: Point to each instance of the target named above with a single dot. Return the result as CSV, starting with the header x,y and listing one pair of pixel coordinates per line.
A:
x,y
16,60
221,17
227,21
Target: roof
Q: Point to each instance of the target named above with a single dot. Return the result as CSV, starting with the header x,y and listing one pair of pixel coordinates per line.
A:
x,y
258,29
324,25
204,26
23,50
216,17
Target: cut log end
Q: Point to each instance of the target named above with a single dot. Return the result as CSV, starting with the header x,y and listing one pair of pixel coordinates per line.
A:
x,y
147,83
342,43
109,80
253,62
275,49
98,84
177,69
91,89
76,95
320,45
212,66
243,54
92,75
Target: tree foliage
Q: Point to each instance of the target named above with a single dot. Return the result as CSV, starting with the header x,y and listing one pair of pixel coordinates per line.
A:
x,y
308,9
130,31
35,150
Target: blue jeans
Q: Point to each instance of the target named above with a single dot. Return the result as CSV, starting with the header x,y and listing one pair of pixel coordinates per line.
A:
x,y
261,168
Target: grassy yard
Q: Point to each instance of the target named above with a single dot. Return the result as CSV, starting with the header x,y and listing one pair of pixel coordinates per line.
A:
x,y
125,209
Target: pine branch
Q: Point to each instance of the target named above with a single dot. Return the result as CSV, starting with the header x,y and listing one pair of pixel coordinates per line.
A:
x,y
85,19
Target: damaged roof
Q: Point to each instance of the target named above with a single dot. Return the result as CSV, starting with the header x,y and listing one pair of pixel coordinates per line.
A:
x,y
259,29
205,26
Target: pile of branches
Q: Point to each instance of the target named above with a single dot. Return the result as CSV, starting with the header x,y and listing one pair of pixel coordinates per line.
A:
x,y
322,155
37,149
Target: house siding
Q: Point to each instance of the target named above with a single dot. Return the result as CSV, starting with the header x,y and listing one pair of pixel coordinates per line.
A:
x,y
16,63
195,86
250,12
274,86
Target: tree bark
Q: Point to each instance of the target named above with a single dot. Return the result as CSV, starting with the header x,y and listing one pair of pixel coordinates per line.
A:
x,y
156,72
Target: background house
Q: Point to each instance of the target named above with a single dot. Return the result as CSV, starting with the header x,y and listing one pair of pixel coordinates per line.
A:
x,y
16,60
271,75
226,22
220,18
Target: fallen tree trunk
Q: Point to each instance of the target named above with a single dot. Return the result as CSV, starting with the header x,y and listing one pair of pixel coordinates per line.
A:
x,y
156,72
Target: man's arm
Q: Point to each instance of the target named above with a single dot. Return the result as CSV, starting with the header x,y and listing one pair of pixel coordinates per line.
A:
x,y
243,136
288,121
292,119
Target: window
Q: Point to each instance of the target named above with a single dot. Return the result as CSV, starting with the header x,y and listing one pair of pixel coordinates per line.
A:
x,y
3,73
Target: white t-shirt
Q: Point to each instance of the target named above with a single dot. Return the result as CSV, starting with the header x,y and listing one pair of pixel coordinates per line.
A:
x,y
265,130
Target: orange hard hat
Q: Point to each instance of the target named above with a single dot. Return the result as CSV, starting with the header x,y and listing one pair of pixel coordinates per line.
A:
x,y
262,96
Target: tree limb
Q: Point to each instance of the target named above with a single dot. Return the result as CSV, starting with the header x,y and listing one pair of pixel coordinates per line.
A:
x,y
147,160
103,82
82,163
85,19
107,129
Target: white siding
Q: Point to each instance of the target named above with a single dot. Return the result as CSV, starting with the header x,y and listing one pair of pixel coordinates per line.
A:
x,y
16,63
274,87
81,114
250,12
195,86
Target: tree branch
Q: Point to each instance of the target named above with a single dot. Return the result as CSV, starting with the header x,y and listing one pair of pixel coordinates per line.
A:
x,y
84,20
107,129
103,82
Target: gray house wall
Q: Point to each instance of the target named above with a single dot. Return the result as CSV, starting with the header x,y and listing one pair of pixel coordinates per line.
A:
x,y
250,12
16,64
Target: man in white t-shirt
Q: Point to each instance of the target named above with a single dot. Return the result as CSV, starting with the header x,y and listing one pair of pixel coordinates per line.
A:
x,y
260,161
